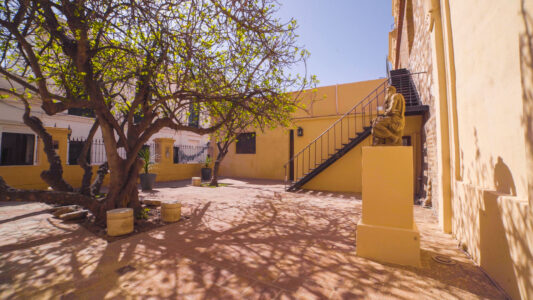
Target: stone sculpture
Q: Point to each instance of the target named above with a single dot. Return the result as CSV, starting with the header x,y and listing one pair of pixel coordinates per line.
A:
x,y
387,129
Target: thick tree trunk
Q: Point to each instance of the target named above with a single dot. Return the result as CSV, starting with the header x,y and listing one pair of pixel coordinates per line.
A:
x,y
86,179
99,180
123,190
85,188
221,154
214,176
54,175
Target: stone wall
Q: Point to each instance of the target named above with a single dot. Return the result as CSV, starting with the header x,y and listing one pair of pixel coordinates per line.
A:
x,y
416,56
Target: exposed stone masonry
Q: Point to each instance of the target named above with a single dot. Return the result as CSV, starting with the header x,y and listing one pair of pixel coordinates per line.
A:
x,y
419,59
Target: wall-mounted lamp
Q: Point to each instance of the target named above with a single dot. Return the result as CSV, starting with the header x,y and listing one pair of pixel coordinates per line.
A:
x,y
69,132
300,131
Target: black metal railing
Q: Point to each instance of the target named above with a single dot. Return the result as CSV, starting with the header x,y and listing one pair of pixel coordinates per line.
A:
x,y
186,154
347,129
190,154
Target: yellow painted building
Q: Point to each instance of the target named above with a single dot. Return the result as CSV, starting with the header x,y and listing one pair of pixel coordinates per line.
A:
x,y
478,161
323,107
28,176
22,159
473,148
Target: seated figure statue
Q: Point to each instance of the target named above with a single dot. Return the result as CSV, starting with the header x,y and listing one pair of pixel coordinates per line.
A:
x,y
387,129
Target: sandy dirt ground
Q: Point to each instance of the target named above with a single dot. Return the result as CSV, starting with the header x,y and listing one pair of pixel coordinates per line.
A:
x,y
247,240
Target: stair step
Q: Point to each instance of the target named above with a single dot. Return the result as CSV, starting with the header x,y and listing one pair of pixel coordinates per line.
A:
x,y
399,72
324,160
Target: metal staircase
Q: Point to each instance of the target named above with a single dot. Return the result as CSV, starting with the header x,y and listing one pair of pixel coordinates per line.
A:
x,y
349,130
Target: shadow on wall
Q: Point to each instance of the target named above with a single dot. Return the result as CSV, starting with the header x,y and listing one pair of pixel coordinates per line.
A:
x,y
493,225
503,179
494,247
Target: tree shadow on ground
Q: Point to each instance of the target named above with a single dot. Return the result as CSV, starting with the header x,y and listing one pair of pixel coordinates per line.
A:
x,y
271,245
31,214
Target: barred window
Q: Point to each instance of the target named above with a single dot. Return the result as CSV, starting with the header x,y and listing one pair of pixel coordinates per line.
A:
x,y
82,112
246,143
74,151
176,155
17,149
194,115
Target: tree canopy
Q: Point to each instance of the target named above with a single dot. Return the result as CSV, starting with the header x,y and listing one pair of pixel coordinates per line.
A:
x,y
149,58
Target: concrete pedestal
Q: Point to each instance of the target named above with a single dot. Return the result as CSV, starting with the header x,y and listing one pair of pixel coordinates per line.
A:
x,y
196,181
170,211
386,231
119,221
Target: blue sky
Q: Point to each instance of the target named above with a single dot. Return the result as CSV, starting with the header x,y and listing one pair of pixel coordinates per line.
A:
x,y
348,39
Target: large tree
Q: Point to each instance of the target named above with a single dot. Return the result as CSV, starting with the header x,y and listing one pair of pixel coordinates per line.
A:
x,y
150,58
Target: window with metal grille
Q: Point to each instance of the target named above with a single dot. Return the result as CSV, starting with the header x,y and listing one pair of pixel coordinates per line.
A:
x,y
82,112
246,143
74,151
17,149
194,115
176,155
406,140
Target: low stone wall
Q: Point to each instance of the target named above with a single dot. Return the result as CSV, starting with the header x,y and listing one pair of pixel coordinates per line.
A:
x,y
28,177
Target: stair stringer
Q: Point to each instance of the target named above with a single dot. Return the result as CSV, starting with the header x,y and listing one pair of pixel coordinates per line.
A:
x,y
343,175
332,159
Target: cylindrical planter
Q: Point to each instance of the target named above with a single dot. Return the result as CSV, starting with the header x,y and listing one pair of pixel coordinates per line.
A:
x,y
119,221
147,181
206,173
170,211
196,181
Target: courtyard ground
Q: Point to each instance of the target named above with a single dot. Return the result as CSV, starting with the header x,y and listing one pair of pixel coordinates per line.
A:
x,y
247,240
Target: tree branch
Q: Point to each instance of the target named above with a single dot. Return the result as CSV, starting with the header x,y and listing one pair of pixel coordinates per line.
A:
x,y
82,160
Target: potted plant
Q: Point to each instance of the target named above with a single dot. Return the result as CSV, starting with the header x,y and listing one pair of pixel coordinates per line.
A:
x,y
147,179
206,170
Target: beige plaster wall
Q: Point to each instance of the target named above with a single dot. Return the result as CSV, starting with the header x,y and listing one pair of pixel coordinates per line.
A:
x,y
334,100
323,106
272,152
479,132
492,216
489,92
